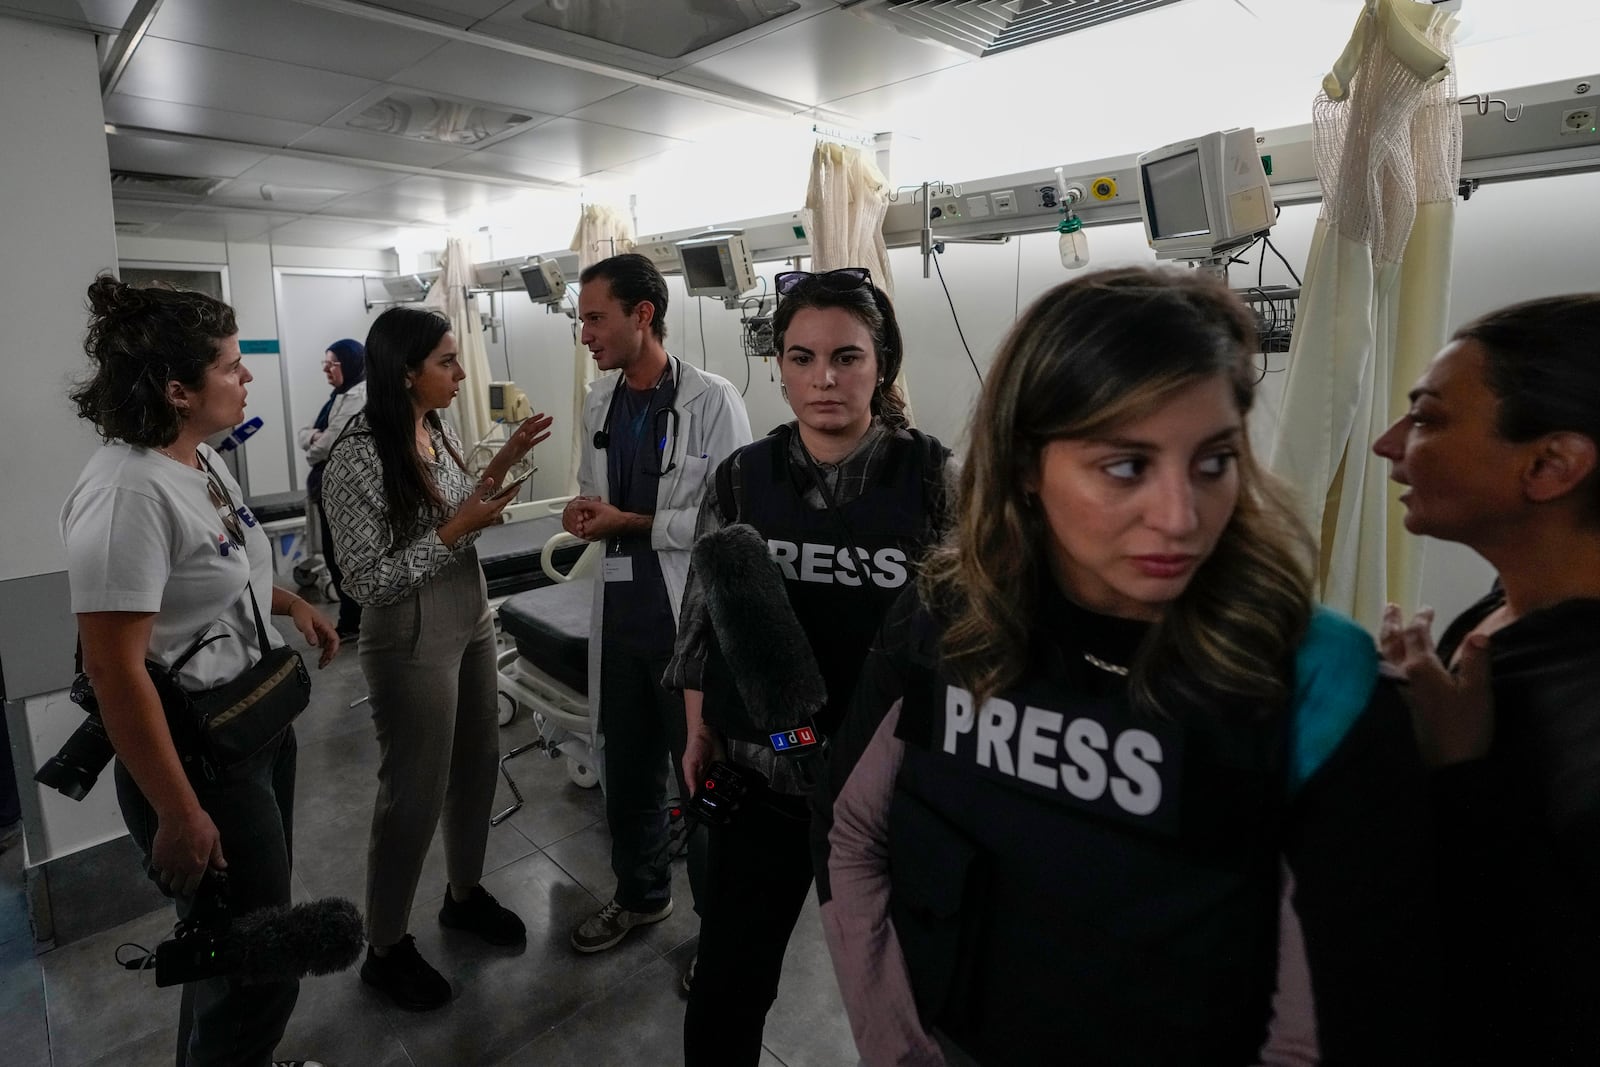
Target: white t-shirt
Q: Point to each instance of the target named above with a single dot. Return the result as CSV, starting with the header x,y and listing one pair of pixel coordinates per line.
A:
x,y
142,535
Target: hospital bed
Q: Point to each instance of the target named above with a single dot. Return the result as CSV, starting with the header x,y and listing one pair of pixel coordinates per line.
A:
x,y
544,668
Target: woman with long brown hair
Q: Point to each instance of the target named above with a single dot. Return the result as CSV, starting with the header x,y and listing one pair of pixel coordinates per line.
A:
x,y
1115,713
405,513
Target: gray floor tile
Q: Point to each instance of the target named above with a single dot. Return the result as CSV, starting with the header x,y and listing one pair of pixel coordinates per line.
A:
x,y
553,807
807,1026
506,997
586,855
335,1022
155,1049
96,1006
331,857
639,1022
334,777
23,1033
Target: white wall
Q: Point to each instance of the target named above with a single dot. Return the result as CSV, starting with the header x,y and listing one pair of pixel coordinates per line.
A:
x,y
57,232
1513,241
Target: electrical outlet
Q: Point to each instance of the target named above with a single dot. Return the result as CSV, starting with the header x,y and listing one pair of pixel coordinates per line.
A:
x,y
947,208
1578,122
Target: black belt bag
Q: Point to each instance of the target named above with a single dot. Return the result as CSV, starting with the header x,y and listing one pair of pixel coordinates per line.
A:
x,y
217,729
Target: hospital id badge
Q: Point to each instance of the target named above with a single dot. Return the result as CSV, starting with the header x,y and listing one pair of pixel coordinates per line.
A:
x,y
617,569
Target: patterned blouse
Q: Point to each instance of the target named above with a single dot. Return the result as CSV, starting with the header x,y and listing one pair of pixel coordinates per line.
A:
x,y
377,569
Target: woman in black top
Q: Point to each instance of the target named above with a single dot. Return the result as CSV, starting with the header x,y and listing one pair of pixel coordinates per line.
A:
x,y
846,480
1498,453
1071,775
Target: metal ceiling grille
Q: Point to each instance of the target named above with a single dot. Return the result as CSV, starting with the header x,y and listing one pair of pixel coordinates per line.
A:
x,y
167,186
984,27
667,29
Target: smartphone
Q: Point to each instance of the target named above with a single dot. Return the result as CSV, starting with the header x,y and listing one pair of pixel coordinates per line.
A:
x,y
511,489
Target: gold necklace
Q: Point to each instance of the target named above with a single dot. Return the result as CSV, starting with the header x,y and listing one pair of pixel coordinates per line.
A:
x,y
175,459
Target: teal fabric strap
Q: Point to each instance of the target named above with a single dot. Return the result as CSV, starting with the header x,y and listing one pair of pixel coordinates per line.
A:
x,y
1336,670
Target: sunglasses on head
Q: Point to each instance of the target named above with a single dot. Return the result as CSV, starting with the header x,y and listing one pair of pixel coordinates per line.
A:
x,y
842,280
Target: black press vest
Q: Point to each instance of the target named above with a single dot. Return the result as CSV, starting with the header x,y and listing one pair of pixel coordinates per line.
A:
x,y
1073,883
839,606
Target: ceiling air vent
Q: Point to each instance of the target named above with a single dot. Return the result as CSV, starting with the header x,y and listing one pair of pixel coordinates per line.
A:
x,y
429,118
166,186
133,228
984,27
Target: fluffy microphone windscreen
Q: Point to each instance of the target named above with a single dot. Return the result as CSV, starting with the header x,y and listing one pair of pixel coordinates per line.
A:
x,y
282,943
757,630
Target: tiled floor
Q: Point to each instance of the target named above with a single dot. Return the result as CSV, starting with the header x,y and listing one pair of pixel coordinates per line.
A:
x,y
542,1004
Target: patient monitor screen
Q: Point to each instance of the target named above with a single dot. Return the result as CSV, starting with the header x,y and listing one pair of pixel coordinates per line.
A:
x,y
1176,197
702,268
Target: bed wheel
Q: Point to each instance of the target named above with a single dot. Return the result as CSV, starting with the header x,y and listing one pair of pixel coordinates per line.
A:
x,y
305,575
582,774
508,709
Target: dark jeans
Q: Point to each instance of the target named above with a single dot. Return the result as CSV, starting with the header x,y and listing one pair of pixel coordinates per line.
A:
x,y
644,727
223,1022
758,874
349,611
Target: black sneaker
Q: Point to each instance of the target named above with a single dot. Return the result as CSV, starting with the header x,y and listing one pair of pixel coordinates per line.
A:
x,y
483,915
408,978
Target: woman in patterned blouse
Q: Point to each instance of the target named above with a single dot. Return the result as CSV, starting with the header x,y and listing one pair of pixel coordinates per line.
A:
x,y
404,514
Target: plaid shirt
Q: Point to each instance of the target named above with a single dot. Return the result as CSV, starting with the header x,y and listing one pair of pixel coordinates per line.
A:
x,y
847,480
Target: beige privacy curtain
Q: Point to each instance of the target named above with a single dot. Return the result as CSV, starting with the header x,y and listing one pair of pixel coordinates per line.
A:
x,y
602,232
848,197
470,412
1376,295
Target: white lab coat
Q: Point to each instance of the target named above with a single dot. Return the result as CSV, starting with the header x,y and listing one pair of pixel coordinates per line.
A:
x,y
712,425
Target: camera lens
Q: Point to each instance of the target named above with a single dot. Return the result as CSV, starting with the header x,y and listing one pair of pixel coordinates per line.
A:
x,y
74,770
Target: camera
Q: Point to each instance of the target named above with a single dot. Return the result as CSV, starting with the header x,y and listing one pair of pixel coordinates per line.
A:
x,y
74,770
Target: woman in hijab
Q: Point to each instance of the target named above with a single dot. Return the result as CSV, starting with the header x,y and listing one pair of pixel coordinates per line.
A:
x,y
345,364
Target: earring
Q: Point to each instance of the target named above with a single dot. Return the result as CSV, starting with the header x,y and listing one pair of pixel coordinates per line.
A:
x,y
880,381
783,390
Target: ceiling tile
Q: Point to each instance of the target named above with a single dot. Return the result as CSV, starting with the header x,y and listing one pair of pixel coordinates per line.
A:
x,y
659,112
314,174
388,204
451,196
487,74
137,152
823,58
126,110
494,165
145,211
294,33
314,232
206,77
235,225
457,13
585,145
360,145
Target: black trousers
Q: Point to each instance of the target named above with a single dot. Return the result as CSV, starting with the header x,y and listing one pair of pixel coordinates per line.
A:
x,y
644,731
223,1022
349,611
758,873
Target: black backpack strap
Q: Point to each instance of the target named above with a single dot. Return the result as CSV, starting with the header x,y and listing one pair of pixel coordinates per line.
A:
x,y
727,506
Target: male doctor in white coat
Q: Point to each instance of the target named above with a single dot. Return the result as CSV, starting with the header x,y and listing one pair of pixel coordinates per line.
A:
x,y
654,435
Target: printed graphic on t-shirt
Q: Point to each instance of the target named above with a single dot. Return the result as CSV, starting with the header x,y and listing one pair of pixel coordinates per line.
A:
x,y
1093,759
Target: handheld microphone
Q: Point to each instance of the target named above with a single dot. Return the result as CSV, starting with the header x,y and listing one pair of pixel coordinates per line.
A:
x,y
277,944
760,636
240,434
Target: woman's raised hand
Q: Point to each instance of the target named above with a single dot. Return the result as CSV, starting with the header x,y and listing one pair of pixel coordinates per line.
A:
x,y
532,431
1452,711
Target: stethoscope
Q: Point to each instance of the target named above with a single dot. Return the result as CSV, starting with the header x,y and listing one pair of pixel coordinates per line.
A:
x,y
663,424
